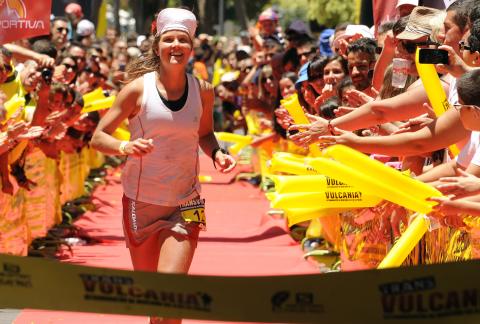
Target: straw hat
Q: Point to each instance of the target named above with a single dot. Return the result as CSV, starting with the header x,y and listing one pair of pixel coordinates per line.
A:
x,y
419,23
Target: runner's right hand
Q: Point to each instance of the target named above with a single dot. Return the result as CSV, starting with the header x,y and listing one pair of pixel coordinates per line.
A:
x,y
139,147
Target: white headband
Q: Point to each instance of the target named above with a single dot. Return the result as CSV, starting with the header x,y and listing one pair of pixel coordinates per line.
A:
x,y
176,19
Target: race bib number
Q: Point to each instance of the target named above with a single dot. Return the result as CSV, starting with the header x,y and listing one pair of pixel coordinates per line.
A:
x,y
194,211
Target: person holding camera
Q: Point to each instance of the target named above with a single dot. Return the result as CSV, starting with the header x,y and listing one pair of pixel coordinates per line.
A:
x,y
170,115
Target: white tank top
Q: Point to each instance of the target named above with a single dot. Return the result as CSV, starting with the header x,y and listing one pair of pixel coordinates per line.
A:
x,y
168,176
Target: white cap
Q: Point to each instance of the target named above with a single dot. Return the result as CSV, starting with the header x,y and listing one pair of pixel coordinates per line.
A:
x,y
353,30
85,28
140,39
229,76
133,52
406,2
176,19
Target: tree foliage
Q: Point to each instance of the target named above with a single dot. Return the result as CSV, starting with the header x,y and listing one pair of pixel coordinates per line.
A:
x,y
330,13
325,12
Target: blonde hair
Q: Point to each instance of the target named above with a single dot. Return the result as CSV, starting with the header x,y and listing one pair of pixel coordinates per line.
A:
x,y
143,64
437,25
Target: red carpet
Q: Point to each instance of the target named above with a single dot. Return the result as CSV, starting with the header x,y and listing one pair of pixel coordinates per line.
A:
x,y
240,241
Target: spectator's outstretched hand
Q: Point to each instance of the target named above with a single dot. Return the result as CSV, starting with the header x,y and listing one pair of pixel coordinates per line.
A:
x,y
31,133
464,185
45,60
448,211
345,138
342,110
357,98
309,133
283,118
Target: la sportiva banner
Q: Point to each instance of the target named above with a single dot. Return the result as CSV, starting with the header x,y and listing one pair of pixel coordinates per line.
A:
x,y
24,19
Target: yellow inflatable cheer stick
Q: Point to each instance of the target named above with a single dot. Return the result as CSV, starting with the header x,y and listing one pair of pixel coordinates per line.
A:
x,y
95,95
204,178
411,193
98,104
368,184
234,138
433,87
292,157
300,215
235,148
293,107
121,134
251,125
305,183
277,164
348,198
12,106
406,243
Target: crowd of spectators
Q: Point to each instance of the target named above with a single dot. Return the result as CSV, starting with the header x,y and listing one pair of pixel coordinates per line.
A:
x,y
344,79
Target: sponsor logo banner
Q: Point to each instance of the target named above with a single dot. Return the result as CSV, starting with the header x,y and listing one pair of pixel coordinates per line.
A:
x,y
23,19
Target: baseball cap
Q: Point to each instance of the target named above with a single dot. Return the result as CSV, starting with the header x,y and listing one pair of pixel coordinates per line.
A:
x,y
353,30
418,24
298,28
176,19
324,42
302,74
85,28
268,14
74,9
406,2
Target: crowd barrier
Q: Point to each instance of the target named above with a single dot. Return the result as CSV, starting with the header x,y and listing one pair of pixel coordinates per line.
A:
x,y
27,215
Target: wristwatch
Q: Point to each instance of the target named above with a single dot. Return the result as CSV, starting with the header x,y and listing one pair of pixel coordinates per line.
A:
x,y
214,153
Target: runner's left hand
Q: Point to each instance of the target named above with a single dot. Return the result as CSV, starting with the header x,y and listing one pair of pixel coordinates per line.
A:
x,y
225,162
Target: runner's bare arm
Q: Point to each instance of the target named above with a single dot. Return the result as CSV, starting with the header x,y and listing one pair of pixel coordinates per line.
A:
x,y
207,140
126,105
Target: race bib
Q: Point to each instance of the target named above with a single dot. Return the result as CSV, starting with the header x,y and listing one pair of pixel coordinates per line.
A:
x,y
194,211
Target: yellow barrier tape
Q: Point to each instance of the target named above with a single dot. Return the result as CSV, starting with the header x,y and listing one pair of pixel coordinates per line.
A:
x,y
425,294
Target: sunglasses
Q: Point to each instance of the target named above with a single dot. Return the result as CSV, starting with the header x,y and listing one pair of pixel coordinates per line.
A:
x,y
411,47
100,75
312,51
62,29
70,66
463,46
460,106
79,58
7,68
246,69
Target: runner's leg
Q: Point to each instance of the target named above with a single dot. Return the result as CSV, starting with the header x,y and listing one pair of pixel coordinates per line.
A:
x,y
145,255
176,254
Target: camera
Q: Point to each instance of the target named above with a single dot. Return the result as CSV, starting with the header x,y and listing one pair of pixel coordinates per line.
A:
x,y
433,56
47,75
